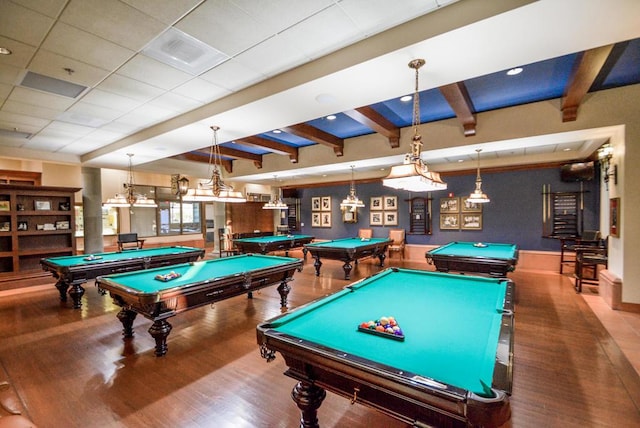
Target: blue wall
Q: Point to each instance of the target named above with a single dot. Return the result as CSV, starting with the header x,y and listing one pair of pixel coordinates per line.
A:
x,y
514,214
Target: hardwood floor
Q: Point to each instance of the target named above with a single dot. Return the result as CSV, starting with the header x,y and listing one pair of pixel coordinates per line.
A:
x,y
71,368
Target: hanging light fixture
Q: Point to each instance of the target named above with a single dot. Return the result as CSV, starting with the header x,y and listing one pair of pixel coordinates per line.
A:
x,y
351,202
277,203
413,174
214,190
478,196
130,197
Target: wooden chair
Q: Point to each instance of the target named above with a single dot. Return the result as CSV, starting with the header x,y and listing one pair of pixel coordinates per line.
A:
x,y
589,238
129,241
225,244
588,259
365,233
397,246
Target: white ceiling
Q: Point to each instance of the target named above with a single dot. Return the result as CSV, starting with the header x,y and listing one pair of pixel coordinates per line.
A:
x,y
284,62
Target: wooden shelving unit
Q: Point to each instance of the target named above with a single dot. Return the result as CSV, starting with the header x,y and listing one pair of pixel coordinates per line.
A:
x,y
35,222
420,216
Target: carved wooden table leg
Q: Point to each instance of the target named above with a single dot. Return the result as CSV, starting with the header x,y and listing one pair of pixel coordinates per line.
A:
x,y
159,330
308,397
126,318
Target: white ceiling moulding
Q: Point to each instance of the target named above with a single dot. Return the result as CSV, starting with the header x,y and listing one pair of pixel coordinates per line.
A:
x,y
52,85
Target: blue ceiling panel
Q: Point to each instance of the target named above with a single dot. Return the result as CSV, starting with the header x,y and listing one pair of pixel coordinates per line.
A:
x,y
342,126
244,148
538,81
626,71
288,139
433,107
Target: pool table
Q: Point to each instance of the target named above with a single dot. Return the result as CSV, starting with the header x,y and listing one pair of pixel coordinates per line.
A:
x,y
73,271
160,293
266,244
348,250
452,367
489,258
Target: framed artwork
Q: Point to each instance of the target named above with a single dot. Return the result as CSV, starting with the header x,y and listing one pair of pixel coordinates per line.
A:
x,y
315,203
376,218
62,225
449,205
614,217
326,203
315,220
5,205
22,225
64,206
449,221
349,216
5,226
326,219
42,205
471,221
391,218
376,203
470,207
390,203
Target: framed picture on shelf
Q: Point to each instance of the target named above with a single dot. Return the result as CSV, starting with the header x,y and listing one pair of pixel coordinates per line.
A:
x,y
471,221
449,205
390,203
315,203
62,225
5,205
376,218
64,206
470,207
42,205
614,217
376,203
5,226
449,221
326,203
23,225
315,220
391,218
326,219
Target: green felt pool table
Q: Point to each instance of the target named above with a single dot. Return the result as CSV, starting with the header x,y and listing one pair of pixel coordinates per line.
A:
x,y
73,271
267,244
494,259
197,284
453,367
348,250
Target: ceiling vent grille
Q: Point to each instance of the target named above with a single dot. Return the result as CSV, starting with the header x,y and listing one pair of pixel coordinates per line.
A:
x,y
52,85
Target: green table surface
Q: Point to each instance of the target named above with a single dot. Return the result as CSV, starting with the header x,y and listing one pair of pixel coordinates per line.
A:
x,y
451,324
470,249
144,281
275,238
348,243
115,256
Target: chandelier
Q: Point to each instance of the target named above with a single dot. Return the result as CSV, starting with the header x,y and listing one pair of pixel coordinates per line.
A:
x,y
277,203
130,198
413,174
214,190
478,196
351,202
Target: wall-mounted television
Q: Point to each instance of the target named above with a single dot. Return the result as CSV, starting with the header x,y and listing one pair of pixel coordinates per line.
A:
x,y
577,171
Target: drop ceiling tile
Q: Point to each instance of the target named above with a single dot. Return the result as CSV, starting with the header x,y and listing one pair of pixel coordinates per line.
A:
x,y
111,101
103,136
131,88
74,43
50,8
22,24
145,115
233,75
201,90
120,127
20,127
167,11
114,21
9,74
278,15
47,143
175,102
267,55
38,98
90,114
374,16
153,72
53,65
80,147
63,129
5,90
19,119
21,52
30,110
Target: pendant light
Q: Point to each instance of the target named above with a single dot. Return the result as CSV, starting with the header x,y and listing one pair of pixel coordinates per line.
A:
x,y
478,196
351,202
130,198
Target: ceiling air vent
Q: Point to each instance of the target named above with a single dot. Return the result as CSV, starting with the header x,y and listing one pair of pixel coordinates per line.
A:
x,y
51,85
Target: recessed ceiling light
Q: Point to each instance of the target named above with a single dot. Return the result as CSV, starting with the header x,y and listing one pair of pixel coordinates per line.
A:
x,y
5,51
406,98
277,131
514,71
331,117
460,160
567,149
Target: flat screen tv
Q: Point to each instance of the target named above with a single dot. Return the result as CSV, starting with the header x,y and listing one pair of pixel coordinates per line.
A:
x,y
577,171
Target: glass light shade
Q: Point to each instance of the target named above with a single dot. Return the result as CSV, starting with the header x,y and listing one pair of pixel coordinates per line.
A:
x,y
414,178
199,194
275,205
478,197
119,201
230,196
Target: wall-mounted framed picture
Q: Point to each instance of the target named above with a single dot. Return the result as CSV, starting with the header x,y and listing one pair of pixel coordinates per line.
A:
x,y
376,218
42,205
390,203
326,219
391,218
315,220
326,203
349,216
470,207
376,203
449,221
5,205
315,203
23,225
471,221
614,217
449,205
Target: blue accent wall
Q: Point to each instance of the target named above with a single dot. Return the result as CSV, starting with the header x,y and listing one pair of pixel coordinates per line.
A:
x,y
514,214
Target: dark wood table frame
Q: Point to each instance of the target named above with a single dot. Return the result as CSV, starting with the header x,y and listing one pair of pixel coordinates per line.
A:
x,y
276,245
348,255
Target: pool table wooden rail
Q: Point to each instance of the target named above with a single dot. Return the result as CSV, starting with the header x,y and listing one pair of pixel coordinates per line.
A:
x,y
347,255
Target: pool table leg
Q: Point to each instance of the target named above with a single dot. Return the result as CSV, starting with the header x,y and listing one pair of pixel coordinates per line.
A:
x,y
381,257
62,287
347,269
76,292
283,290
160,330
126,318
317,265
308,397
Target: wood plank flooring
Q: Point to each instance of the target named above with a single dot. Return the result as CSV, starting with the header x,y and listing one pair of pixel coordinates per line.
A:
x,y
71,368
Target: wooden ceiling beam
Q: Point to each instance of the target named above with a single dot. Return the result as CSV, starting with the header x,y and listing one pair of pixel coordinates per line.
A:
x,y
585,72
458,98
317,135
272,146
374,120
